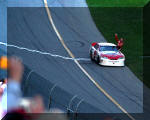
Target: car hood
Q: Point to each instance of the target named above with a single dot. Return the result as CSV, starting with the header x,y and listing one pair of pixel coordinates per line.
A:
x,y
111,55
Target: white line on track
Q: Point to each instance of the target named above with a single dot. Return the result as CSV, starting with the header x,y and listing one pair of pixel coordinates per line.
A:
x,y
44,53
78,64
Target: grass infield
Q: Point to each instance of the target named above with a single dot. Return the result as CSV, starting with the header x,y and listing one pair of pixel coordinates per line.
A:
x,y
117,3
124,18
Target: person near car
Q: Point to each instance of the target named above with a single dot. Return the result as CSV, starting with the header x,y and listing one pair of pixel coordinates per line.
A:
x,y
120,42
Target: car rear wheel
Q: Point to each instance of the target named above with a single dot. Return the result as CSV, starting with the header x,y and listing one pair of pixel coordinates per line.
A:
x,y
97,60
91,56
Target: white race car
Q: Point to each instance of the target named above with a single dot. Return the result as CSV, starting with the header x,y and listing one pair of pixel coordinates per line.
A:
x,y
106,54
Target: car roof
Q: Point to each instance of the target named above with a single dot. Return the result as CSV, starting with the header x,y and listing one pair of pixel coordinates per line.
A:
x,y
106,44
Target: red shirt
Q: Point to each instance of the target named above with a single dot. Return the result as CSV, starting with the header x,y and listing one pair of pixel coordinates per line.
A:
x,y
119,42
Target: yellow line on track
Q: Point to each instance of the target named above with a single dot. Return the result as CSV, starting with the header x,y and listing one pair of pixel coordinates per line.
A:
x,y
78,64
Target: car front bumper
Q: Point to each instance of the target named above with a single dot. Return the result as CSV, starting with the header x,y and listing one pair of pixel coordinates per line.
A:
x,y
107,62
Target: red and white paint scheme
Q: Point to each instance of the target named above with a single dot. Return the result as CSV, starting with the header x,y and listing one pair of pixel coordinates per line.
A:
x,y
106,54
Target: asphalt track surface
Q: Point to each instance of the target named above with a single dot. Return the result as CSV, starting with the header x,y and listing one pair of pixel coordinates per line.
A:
x,y
30,28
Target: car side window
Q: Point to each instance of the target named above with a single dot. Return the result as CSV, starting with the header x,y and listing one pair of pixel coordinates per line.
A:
x,y
96,46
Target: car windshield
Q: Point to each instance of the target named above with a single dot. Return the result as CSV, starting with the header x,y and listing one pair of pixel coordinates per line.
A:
x,y
108,48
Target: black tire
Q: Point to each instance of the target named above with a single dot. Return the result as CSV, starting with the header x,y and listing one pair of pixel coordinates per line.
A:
x,y
97,60
91,56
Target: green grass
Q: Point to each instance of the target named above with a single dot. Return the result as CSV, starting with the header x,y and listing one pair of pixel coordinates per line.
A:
x,y
117,3
127,22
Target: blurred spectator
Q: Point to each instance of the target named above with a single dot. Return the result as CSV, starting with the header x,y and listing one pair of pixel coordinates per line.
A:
x,y
3,80
3,85
32,105
12,94
12,101
3,62
3,72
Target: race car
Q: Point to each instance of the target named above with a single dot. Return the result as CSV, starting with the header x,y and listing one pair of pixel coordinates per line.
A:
x,y
106,54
